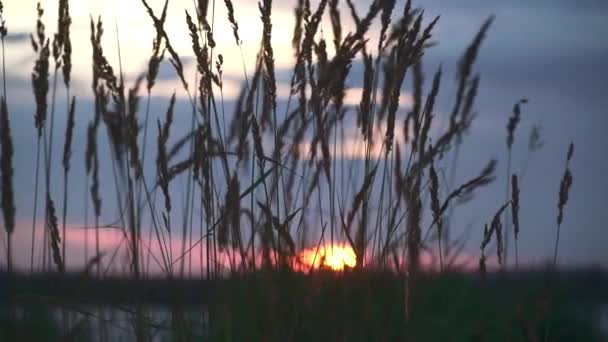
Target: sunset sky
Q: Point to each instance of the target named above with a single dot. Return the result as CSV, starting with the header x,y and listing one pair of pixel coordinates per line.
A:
x,y
552,52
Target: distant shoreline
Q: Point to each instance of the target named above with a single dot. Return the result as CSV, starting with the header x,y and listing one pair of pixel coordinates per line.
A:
x,y
584,284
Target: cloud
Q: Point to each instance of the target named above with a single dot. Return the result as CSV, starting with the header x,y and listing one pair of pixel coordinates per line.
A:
x,y
114,246
17,37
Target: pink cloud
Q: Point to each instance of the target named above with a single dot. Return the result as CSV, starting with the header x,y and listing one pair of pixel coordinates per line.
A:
x,y
114,245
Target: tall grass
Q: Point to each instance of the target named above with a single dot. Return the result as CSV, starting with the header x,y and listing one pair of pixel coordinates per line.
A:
x,y
260,180
6,157
511,127
564,190
40,85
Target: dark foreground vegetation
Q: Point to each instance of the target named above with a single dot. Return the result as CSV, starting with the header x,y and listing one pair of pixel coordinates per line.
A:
x,y
324,306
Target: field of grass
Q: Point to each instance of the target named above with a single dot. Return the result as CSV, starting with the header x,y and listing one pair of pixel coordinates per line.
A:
x,y
263,192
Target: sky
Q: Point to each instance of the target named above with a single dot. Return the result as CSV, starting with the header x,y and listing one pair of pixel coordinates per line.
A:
x,y
553,53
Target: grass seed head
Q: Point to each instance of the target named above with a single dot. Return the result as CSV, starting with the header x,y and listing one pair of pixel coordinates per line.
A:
x,y
6,169
515,204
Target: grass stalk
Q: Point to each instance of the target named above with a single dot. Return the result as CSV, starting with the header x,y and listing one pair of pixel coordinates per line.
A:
x,y
564,191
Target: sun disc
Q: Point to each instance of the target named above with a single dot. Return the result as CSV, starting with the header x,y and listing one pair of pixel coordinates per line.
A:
x,y
336,257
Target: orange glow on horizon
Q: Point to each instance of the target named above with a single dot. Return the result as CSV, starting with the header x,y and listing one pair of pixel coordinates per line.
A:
x,y
335,257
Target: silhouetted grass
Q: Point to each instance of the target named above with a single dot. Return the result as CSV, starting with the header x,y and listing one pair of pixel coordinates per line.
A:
x,y
258,203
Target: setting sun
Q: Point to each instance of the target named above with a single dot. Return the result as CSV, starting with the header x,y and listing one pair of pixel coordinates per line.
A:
x,y
334,257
